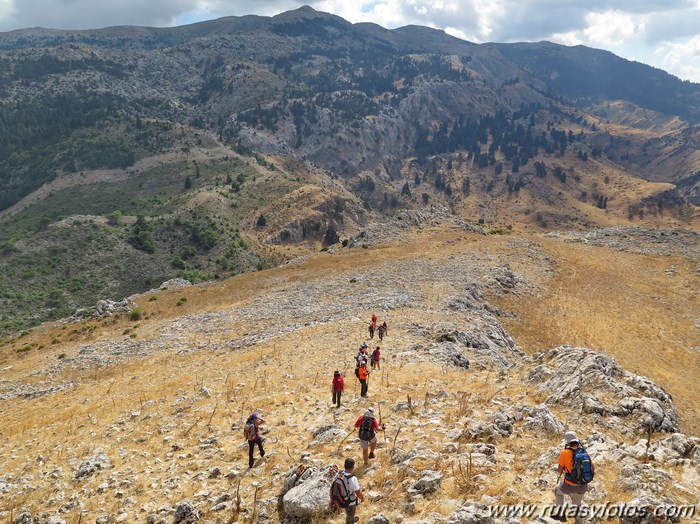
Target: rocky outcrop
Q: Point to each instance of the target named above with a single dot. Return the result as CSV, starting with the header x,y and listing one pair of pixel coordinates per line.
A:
x,y
92,465
586,381
471,514
103,308
429,482
543,421
308,492
186,513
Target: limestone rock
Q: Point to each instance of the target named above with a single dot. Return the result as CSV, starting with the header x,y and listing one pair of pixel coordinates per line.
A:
x,y
310,495
649,510
92,464
471,514
578,377
674,448
429,482
186,513
328,433
378,519
542,420
25,517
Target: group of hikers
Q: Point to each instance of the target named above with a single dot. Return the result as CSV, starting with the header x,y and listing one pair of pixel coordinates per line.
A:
x,y
345,493
381,332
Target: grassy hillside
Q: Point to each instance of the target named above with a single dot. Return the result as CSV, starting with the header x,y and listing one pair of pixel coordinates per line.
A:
x,y
159,395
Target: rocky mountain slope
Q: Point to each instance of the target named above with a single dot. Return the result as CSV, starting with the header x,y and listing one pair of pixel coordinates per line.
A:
x,y
130,156
496,345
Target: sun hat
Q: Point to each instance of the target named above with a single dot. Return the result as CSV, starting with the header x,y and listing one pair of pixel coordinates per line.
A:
x,y
369,412
570,437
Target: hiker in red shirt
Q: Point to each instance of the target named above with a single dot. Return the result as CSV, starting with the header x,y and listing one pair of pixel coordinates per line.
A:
x,y
374,359
368,426
338,387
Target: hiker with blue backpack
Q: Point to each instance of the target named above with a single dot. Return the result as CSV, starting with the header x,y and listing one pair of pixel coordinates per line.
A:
x,y
346,492
578,470
252,434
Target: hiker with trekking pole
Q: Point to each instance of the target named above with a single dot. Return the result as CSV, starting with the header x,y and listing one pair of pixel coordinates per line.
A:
x,y
578,470
368,427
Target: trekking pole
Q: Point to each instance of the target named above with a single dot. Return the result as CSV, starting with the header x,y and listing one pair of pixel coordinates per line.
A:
x,y
344,439
381,423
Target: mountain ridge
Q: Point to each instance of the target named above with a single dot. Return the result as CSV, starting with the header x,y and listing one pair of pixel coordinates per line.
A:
x,y
378,120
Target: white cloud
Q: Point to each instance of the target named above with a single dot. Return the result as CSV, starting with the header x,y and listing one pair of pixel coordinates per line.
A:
x,y
644,30
569,38
610,28
458,33
682,59
7,12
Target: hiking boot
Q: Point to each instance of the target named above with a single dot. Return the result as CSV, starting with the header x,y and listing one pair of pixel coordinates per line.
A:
x,y
559,517
371,455
357,519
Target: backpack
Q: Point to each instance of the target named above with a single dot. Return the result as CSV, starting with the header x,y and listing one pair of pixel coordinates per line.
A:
x,y
367,429
249,431
338,383
375,355
341,494
582,471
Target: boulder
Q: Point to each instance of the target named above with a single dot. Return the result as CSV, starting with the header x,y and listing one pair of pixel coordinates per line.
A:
x,y
648,510
329,434
471,514
310,494
24,517
92,464
186,513
542,420
378,519
429,482
677,447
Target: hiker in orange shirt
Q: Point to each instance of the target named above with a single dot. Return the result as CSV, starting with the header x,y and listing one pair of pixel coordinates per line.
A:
x,y
578,471
363,375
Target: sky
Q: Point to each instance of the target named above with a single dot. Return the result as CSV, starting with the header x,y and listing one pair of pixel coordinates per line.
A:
x,y
661,33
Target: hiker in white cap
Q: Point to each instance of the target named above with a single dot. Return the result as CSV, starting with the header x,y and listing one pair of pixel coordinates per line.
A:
x,y
578,471
368,433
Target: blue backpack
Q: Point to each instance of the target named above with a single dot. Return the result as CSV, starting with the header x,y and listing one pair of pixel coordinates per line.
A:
x,y
582,472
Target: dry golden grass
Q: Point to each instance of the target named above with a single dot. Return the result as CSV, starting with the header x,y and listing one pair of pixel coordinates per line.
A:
x,y
610,301
624,305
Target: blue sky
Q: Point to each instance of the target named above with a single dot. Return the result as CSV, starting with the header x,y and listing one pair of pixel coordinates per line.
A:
x,y
662,33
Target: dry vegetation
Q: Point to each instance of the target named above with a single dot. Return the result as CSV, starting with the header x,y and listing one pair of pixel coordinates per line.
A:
x,y
153,417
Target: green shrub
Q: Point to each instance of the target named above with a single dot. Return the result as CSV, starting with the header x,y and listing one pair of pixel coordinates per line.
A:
x,y
135,314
